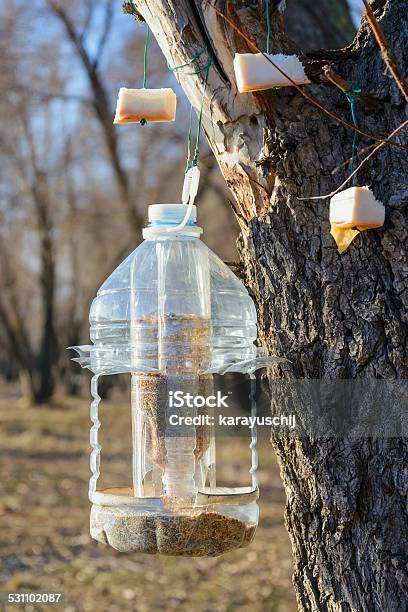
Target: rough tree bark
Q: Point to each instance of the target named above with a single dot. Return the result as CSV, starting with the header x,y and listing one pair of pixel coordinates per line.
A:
x,y
333,316
322,24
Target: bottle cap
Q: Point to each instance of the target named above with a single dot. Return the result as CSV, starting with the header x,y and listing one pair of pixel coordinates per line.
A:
x,y
170,214
168,219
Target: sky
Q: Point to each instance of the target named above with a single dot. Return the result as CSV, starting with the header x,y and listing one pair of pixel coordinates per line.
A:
x,y
356,9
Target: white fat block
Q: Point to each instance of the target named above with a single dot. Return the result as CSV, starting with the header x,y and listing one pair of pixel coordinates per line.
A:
x,y
254,72
154,105
356,207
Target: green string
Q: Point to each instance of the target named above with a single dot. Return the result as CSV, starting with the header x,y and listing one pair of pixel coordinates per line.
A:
x,y
268,24
352,97
194,161
200,118
190,130
193,59
145,56
146,50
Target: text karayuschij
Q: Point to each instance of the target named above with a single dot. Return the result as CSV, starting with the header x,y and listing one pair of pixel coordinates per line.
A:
x,y
233,421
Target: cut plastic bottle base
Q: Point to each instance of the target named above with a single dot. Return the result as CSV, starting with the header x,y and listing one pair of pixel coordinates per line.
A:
x,y
191,532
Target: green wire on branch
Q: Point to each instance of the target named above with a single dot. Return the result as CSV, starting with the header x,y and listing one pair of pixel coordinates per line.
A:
x,y
129,8
191,61
352,97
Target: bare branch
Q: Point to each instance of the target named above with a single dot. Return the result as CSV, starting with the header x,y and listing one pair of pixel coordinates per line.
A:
x,y
91,6
130,9
45,96
103,112
337,80
348,179
386,52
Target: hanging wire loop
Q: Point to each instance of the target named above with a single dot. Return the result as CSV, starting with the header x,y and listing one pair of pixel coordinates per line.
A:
x,y
145,59
352,97
194,161
200,118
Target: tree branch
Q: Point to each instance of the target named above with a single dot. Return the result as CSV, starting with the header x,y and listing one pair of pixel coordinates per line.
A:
x,y
103,112
386,52
90,10
298,88
376,148
337,80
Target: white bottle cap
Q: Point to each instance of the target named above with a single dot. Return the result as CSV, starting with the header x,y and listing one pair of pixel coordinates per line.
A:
x,y
168,219
170,213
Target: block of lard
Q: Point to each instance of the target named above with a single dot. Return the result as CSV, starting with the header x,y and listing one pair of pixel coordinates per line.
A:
x,y
153,105
356,207
352,211
253,72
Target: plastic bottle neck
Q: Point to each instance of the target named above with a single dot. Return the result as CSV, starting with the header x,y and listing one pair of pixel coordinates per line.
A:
x,y
165,219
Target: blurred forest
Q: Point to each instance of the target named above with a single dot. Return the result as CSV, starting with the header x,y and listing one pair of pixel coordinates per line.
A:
x,y
75,188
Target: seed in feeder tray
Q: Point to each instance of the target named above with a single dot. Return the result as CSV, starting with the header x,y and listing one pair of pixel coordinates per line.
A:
x,y
153,105
189,532
356,207
254,72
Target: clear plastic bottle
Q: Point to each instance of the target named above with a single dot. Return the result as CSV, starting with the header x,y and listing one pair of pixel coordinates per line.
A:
x,y
172,314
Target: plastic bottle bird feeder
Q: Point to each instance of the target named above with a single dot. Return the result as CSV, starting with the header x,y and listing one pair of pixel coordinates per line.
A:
x,y
253,71
172,315
151,105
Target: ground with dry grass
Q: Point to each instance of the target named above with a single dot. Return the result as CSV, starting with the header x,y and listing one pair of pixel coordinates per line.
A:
x,y
44,523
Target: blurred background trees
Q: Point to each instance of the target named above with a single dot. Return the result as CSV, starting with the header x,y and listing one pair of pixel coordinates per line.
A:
x,y
75,188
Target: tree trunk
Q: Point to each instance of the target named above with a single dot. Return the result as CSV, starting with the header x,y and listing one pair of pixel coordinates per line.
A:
x,y
42,378
333,316
37,367
314,25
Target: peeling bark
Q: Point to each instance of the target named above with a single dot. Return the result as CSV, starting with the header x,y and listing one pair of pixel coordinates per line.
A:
x,y
333,316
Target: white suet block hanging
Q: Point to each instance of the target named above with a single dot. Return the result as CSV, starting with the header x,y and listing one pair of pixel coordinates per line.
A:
x,y
254,72
352,211
356,207
152,105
